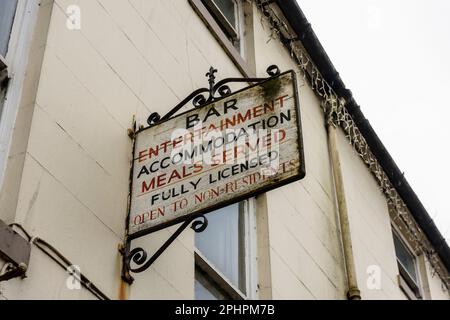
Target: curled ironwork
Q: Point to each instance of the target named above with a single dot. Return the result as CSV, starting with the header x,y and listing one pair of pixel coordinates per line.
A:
x,y
200,225
215,91
153,118
139,256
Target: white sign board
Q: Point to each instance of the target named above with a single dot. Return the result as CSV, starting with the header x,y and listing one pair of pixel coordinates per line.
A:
x,y
241,145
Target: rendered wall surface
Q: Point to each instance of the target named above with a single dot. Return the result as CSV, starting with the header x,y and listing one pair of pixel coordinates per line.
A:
x,y
68,176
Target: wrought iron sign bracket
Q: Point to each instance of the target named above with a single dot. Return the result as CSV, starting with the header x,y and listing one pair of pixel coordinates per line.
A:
x,y
15,251
138,256
216,91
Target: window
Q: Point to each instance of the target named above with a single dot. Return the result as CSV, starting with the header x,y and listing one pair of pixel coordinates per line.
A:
x,y
7,13
17,22
7,16
223,258
226,20
228,14
407,265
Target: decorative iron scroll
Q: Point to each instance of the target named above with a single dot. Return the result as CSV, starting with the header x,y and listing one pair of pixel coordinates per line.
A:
x,y
198,98
138,256
337,115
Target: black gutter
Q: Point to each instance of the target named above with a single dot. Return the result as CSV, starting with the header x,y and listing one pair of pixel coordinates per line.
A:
x,y
302,27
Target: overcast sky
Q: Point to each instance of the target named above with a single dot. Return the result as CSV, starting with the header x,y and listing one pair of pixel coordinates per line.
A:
x,y
395,58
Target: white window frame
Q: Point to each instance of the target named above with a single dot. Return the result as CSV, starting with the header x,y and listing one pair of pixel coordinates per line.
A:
x,y
16,61
236,35
242,26
250,245
230,29
403,283
237,55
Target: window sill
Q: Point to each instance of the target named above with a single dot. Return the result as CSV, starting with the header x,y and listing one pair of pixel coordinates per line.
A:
x,y
407,289
217,277
220,36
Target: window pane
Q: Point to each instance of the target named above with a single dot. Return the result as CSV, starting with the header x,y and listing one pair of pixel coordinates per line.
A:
x,y
405,258
229,10
7,12
222,244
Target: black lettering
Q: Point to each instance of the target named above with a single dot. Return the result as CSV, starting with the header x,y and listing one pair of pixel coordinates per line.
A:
x,y
163,161
211,112
286,117
143,170
231,104
223,173
152,167
192,121
235,169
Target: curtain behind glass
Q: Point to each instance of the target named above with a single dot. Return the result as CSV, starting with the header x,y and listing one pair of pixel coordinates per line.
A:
x,y
221,243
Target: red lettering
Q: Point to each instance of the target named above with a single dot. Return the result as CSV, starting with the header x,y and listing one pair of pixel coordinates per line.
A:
x,y
147,187
281,99
257,111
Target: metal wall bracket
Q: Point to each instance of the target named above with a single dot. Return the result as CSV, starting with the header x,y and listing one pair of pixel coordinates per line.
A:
x,y
138,256
15,251
10,271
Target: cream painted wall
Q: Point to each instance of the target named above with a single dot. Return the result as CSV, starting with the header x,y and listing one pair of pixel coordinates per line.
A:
x,y
437,291
370,226
125,60
133,58
305,255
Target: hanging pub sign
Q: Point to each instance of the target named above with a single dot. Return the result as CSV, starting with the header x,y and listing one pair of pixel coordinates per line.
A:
x,y
235,147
